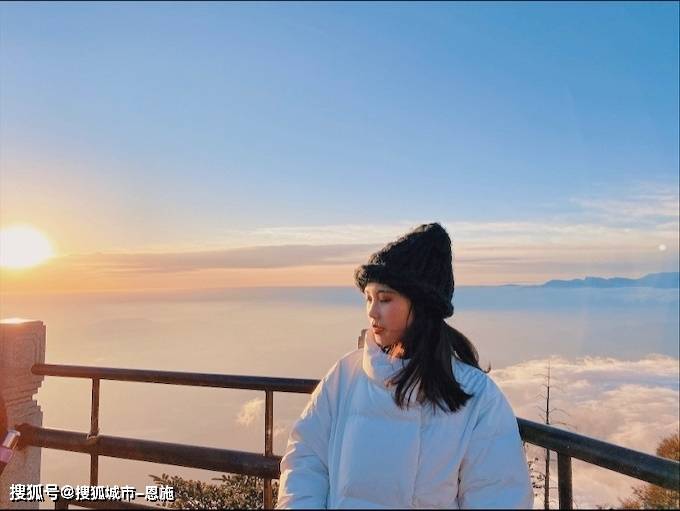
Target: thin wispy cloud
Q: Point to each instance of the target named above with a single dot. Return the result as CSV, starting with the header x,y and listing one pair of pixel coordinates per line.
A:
x,y
599,218
280,256
489,243
647,203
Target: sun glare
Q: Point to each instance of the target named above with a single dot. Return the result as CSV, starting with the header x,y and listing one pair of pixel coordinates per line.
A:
x,y
23,247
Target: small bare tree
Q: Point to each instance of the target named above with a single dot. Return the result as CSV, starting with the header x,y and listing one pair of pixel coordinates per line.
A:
x,y
541,480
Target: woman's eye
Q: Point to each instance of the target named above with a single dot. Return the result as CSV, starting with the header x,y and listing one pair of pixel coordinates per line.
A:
x,y
368,299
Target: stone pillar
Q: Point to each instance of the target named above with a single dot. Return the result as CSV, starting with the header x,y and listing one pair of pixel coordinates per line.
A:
x,y
22,344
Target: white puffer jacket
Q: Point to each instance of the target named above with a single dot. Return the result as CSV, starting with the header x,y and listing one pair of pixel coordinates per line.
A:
x,y
352,447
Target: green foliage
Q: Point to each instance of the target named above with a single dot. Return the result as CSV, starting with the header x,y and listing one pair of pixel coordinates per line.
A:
x,y
234,491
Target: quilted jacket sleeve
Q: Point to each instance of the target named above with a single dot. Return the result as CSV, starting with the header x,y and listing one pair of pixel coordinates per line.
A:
x,y
494,471
304,466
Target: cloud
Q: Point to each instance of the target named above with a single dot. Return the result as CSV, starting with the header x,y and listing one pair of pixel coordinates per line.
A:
x,y
632,403
606,223
489,243
279,256
643,204
253,410
608,234
281,431
250,411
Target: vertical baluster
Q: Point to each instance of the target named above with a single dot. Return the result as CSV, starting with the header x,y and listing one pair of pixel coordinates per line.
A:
x,y
546,485
564,481
94,431
60,503
268,444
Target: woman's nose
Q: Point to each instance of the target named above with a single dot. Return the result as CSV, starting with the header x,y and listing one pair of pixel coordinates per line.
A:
x,y
373,311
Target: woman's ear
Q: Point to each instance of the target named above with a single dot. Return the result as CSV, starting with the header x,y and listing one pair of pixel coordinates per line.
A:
x,y
409,318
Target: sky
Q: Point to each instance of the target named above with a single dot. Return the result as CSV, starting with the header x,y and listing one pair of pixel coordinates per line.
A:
x,y
180,146
183,145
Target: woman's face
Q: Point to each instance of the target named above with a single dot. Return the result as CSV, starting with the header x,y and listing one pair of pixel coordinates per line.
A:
x,y
388,313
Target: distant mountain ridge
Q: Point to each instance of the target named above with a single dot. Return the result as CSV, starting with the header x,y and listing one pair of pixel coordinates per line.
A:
x,y
667,280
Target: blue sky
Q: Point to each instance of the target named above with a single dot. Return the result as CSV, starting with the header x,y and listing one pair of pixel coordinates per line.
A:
x,y
176,126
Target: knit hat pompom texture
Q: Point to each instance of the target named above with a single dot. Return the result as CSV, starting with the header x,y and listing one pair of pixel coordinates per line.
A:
x,y
418,265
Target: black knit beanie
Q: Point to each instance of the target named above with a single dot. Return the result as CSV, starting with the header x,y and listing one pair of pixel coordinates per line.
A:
x,y
418,265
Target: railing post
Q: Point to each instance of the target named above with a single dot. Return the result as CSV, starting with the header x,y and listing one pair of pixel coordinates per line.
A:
x,y
268,444
564,481
22,344
94,433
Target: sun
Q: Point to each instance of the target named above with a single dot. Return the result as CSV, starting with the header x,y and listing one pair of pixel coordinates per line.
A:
x,y
22,246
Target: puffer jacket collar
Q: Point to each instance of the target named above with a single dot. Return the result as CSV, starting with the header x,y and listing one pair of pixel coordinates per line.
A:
x,y
380,366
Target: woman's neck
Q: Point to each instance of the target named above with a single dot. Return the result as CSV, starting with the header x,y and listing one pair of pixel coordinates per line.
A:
x,y
395,350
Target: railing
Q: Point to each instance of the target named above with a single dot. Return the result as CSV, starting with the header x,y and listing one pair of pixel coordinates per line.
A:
x,y
652,469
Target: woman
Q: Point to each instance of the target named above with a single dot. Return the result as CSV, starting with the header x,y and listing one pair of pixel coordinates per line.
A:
x,y
410,419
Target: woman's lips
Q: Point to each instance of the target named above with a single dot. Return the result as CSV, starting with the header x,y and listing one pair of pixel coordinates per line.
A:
x,y
378,330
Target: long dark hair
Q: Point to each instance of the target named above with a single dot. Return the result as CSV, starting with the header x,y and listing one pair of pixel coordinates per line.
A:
x,y
429,343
